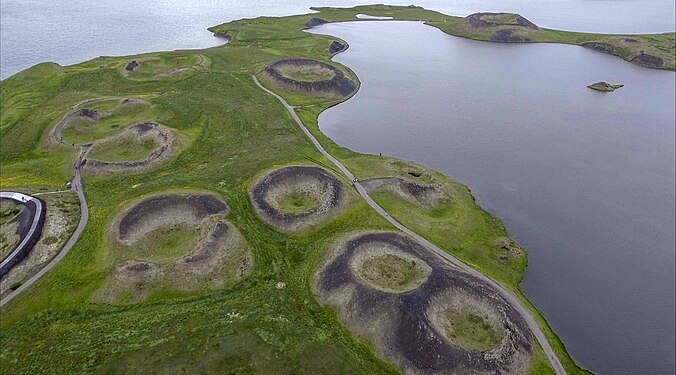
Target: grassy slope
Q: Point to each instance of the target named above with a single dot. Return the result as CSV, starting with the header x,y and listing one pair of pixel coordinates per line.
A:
x,y
239,132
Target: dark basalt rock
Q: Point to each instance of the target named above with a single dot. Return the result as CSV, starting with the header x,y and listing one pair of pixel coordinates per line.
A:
x,y
89,113
215,242
600,47
336,47
407,335
138,267
647,60
201,205
144,127
507,36
132,65
315,22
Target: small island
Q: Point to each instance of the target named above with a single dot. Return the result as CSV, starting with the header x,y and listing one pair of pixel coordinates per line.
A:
x,y
604,86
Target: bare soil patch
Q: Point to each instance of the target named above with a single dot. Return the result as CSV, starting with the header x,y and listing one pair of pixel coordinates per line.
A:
x,y
325,196
411,329
309,76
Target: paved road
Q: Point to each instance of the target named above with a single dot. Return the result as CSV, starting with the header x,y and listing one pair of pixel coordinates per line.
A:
x,y
30,236
78,187
511,298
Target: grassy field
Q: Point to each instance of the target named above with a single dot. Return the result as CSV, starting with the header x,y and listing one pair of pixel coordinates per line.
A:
x,y
470,331
123,150
390,272
57,326
298,202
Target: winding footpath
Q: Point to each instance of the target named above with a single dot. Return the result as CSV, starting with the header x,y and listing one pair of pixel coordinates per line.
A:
x,y
507,295
76,186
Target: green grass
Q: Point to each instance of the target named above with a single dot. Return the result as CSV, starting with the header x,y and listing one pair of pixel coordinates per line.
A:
x,y
309,75
470,331
390,272
169,65
238,131
8,210
162,245
504,19
123,150
297,202
80,131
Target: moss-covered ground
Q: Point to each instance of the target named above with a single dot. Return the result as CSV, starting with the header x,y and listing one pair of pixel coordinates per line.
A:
x,y
470,331
297,202
238,131
390,272
123,150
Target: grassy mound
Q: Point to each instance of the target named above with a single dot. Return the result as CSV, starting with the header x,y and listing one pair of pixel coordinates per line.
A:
x,y
309,76
141,146
470,331
410,329
174,242
392,272
172,65
90,125
123,150
295,199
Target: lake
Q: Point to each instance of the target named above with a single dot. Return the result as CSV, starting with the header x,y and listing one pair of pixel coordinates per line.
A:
x,y
68,32
583,179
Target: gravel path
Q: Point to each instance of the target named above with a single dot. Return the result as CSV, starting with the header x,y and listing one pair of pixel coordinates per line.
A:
x,y
77,186
511,298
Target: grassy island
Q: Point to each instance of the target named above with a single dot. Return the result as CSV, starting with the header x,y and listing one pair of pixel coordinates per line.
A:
x,y
190,132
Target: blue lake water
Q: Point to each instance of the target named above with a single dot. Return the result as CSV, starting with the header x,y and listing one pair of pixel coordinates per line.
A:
x,y
583,179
